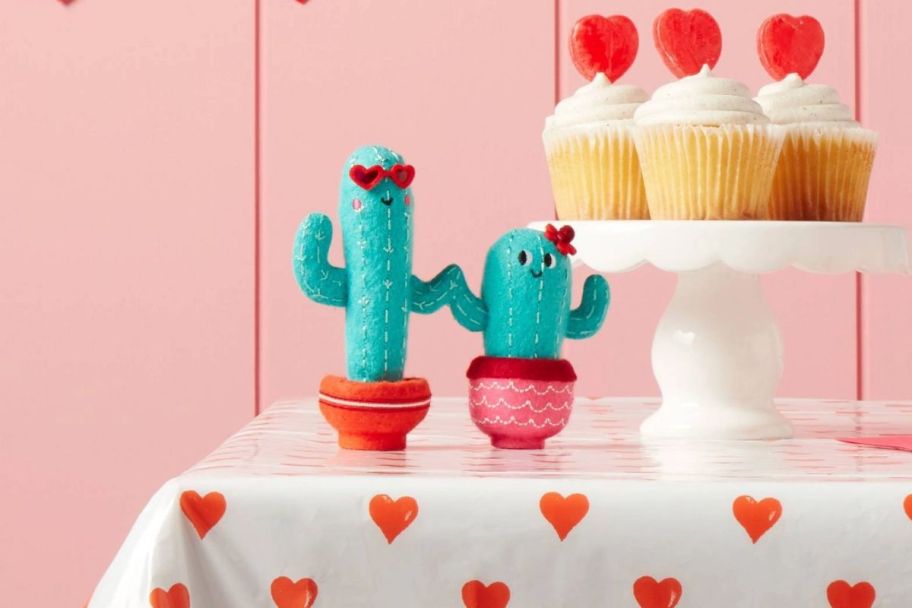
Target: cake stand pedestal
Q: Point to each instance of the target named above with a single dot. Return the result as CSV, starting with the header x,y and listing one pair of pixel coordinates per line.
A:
x,y
717,355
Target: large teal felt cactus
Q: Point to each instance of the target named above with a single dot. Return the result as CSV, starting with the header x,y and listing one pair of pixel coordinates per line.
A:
x,y
376,287
524,310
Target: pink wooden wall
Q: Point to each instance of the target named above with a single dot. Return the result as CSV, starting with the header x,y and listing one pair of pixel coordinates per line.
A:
x,y
158,156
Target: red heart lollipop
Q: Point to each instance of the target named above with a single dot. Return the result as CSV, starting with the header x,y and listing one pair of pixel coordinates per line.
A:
x,y
789,44
687,40
603,44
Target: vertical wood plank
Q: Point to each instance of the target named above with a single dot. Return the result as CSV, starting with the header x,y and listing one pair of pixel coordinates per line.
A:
x,y
817,314
461,89
126,253
886,300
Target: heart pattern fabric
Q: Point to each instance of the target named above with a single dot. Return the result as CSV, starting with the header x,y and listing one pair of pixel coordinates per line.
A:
x,y
841,594
287,593
756,517
564,513
475,594
204,512
176,597
393,516
650,593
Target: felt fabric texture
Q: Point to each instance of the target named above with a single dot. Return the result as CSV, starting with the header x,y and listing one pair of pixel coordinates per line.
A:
x,y
362,427
376,287
526,293
551,370
407,390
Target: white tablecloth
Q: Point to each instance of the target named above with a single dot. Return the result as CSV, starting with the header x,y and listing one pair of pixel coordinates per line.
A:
x,y
279,516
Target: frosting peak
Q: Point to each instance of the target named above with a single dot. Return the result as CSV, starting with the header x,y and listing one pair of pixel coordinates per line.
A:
x,y
792,100
596,102
701,99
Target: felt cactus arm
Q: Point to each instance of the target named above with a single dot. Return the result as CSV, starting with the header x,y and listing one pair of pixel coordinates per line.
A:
x,y
588,317
430,296
449,288
318,279
469,310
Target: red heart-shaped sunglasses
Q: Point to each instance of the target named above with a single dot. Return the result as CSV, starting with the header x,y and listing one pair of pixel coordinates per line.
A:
x,y
368,177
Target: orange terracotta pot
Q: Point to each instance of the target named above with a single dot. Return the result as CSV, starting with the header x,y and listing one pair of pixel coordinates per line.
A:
x,y
374,415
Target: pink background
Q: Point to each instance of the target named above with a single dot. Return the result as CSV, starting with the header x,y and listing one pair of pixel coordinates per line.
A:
x,y
158,157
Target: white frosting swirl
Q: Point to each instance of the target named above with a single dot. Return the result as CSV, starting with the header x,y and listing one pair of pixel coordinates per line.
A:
x,y
599,101
701,99
792,100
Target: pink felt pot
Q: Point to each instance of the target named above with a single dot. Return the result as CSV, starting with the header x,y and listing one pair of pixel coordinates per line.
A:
x,y
519,403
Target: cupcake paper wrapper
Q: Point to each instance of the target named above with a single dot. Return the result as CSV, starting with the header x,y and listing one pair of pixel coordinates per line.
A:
x,y
595,173
708,173
823,174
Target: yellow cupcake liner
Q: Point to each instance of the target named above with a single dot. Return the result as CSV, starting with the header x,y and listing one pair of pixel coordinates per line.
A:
x,y
694,172
595,173
823,174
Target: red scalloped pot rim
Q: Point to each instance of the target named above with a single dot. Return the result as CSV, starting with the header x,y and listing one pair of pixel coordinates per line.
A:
x,y
552,370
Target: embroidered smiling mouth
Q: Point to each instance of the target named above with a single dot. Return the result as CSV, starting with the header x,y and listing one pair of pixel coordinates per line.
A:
x,y
387,200
537,275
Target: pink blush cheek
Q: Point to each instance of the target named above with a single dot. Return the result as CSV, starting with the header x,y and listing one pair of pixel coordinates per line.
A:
x,y
408,199
356,204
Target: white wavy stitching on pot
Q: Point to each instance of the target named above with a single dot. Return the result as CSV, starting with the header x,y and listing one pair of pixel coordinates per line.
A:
x,y
512,420
511,386
527,404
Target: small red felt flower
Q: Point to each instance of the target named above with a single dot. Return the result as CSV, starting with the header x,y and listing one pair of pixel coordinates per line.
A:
x,y
561,238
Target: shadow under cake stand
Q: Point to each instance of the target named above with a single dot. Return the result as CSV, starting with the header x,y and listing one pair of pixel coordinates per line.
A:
x,y
717,354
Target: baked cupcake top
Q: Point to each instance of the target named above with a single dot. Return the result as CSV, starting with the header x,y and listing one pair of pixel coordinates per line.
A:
x,y
598,102
701,100
794,101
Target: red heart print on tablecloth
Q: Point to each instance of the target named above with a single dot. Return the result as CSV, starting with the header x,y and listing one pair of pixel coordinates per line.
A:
x,y
203,511
393,516
843,595
606,45
687,40
907,506
287,593
175,597
564,513
789,45
756,517
650,593
476,594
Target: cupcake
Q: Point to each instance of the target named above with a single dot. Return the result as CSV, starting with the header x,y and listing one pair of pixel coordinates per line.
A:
x,y
826,160
595,173
707,150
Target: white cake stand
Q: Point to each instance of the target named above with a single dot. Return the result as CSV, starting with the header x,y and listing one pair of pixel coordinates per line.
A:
x,y
717,355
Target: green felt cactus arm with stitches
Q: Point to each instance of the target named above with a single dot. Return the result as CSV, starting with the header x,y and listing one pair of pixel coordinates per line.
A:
x,y
318,279
469,310
449,287
430,296
587,318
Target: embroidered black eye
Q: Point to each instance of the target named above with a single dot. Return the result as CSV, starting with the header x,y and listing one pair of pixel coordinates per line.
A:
x,y
523,257
549,260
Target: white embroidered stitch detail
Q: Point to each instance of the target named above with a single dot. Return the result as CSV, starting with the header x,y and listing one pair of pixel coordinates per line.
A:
x,y
510,385
526,405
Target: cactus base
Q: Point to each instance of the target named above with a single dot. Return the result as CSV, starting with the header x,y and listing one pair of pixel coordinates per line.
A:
x,y
374,415
519,403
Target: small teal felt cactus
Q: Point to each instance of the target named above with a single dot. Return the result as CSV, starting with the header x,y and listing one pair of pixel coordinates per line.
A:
x,y
376,287
524,309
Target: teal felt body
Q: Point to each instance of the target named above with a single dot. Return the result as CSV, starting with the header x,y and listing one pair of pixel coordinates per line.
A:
x,y
525,297
376,286
527,303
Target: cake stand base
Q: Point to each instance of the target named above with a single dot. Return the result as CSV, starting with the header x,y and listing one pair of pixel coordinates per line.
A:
x,y
717,357
716,354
